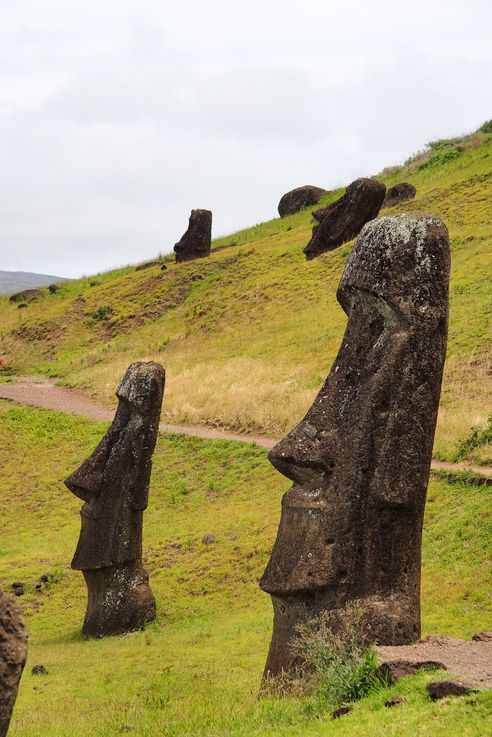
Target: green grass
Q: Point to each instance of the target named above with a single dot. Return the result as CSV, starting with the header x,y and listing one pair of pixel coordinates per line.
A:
x,y
197,669
248,335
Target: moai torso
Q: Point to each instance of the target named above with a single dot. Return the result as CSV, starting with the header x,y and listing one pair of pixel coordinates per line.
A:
x,y
13,654
351,524
114,484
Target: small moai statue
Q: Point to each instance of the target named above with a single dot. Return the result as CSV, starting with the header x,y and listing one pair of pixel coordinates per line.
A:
x,y
113,483
13,654
351,525
197,241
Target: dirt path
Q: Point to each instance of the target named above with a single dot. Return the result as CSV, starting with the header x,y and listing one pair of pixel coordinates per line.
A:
x,y
44,393
459,657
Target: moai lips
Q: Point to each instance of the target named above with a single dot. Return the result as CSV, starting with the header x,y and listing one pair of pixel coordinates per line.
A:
x,y
113,483
13,654
360,459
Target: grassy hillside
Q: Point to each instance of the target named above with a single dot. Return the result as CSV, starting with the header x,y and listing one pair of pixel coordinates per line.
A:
x,y
248,335
196,670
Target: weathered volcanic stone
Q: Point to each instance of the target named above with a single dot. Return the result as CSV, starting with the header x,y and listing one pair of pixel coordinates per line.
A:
x,y
28,295
296,199
360,459
113,483
399,193
197,240
344,219
13,653
451,687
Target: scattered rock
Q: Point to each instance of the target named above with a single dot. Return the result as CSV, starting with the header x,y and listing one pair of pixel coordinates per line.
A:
x,y
341,712
451,687
114,484
53,288
163,267
148,265
19,588
208,539
293,201
197,240
399,193
39,670
392,670
344,219
93,283
28,295
22,305
394,701
483,636
13,653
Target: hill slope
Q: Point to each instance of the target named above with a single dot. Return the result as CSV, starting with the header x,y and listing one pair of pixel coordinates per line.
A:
x,y
248,335
17,281
196,670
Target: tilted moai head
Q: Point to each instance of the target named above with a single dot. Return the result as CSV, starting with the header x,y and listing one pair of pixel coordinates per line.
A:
x,y
113,483
360,459
197,240
13,654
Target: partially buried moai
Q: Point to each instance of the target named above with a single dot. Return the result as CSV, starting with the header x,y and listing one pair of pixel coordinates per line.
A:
x,y
351,525
114,484
13,653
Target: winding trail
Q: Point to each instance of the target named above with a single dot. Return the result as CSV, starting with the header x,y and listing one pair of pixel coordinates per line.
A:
x,y
40,392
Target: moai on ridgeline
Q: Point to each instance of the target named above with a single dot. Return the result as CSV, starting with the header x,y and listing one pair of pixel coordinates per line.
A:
x,y
343,220
114,484
360,459
13,654
197,240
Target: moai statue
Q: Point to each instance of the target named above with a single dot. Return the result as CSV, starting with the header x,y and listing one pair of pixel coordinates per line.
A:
x,y
114,484
360,459
13,654
197,240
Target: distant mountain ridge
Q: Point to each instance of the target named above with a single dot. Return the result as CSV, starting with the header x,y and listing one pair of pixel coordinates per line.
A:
x,y
17,281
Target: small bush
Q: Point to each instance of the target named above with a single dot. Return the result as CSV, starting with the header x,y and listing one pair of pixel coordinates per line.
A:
x,y
439,158
443,143
102,312
486,127
477,438
338,663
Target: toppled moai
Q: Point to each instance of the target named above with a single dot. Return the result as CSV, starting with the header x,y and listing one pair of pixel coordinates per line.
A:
x,y
113,483
13,654
197,240
293,201
399,193
343,220
360,459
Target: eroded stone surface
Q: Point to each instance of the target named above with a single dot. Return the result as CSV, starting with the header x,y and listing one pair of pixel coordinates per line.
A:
x,y
13,653
197,240
344,219
450,687
113,483
351,523
399,193
305,196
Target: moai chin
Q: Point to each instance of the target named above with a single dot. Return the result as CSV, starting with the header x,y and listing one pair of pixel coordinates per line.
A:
x,y
351,525
13,653
113,483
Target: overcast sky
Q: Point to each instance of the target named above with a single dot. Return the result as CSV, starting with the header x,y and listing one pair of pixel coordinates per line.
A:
x,y
117,117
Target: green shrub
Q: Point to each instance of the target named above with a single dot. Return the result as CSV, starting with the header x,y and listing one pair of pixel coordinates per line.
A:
x,y
338,663
486,127
443,143
439,158
476,439
102,312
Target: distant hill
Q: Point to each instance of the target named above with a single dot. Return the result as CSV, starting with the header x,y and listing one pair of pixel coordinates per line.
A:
x,y
17,281
248,334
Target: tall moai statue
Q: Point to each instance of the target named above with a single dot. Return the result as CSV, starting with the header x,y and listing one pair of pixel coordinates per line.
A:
x,y
196,242
113,483
13,654
351,525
